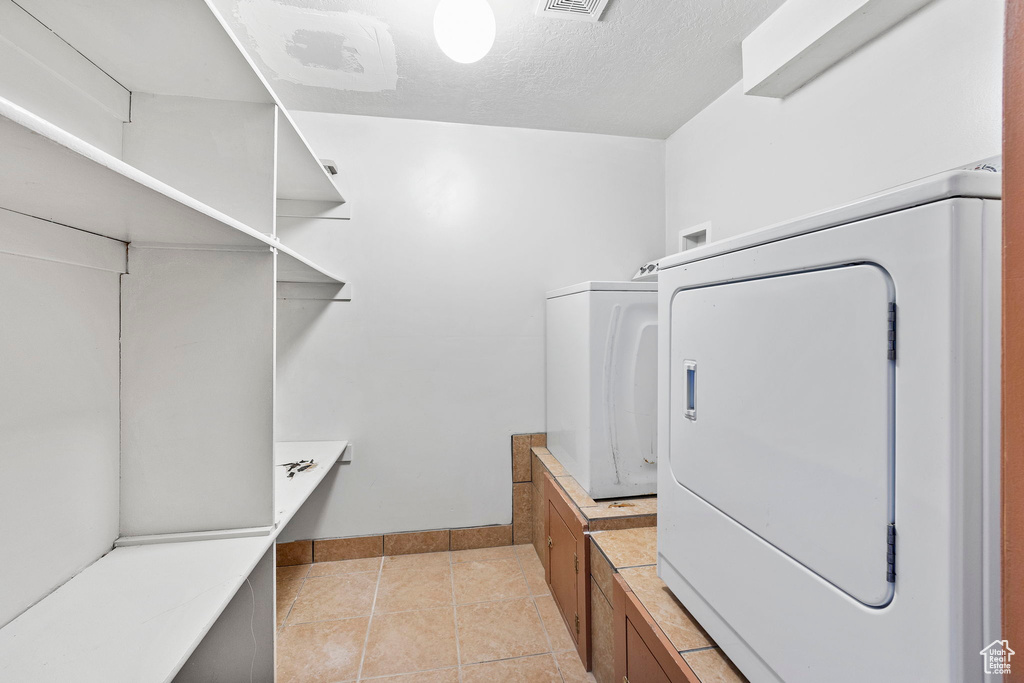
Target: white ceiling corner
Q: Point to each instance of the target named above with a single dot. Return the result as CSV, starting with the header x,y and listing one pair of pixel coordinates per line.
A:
x,y
645,69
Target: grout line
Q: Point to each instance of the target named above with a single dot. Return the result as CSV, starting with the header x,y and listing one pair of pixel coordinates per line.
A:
x,y
426,609
284,622
633,566
331,621
697,649
369,622
455,615
536,608
512,659
412,673
450,668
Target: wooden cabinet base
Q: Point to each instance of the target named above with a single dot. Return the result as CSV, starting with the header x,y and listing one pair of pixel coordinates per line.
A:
x,y
642,652
568,565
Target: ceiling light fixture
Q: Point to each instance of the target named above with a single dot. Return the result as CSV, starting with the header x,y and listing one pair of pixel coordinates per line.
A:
x,y
464,29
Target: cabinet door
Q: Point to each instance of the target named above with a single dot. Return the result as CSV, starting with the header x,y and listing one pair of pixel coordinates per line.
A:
x,y
562,560
643,654
641,664
568,566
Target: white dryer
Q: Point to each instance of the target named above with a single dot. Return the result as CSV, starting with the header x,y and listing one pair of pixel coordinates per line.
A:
x,y
829,437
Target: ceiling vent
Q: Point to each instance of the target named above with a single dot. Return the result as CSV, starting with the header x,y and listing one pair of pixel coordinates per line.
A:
x,y
580,10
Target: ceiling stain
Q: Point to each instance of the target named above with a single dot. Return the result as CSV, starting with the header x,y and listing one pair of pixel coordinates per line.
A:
x,y
346,51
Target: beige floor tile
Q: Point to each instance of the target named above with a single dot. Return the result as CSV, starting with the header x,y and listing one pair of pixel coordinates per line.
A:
x,y
326,651
540,669
420,561
558,632
488,580
532,569
407,642
572,668
629,547
681,629
298,571
408,589
334,597
506,552
369,564
441,676
499,630
286,592
712,666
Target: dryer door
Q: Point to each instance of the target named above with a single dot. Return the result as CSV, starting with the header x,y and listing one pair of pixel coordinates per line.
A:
x,y
782,415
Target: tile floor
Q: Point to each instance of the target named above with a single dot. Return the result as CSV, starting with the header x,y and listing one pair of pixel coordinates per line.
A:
x,y
449,617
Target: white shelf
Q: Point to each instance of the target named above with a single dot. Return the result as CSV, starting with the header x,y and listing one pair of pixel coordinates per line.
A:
x,y
137,614
47,173
134,616
184,48
290,494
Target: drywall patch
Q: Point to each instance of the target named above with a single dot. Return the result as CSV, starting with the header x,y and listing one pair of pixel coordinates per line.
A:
x,y
325,50
320,47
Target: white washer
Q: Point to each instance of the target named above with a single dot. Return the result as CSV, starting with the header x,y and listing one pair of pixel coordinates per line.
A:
x,y
601,347
829,428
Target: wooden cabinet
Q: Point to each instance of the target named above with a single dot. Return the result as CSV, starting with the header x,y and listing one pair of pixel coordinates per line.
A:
x,y
568,564
642,652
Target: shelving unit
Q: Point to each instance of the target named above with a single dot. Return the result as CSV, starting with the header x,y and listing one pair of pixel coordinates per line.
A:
x,y
183,49
145,162
135,615
52,175
140,612
290,494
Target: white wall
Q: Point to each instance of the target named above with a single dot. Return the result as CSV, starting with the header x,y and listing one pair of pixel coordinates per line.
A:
x,y
920,99
457,233
58,405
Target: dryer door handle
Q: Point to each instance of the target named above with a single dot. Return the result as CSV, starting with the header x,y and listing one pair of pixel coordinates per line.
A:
x,y
690,379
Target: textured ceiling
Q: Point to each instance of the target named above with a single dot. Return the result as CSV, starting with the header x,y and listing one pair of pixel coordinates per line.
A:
x,y
645,69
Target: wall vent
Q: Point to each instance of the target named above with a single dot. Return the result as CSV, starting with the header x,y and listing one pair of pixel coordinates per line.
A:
x,y
580,10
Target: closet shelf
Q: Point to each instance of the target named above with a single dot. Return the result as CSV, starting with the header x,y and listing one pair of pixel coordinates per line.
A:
x,y
182,48
137,614
290,494
47,173
133,616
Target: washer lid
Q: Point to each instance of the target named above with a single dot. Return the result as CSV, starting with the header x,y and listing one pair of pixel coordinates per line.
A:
x,y
781,415
603,286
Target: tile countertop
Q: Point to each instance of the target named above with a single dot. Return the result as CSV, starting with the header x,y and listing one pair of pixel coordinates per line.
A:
x,y
616,513
632,553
